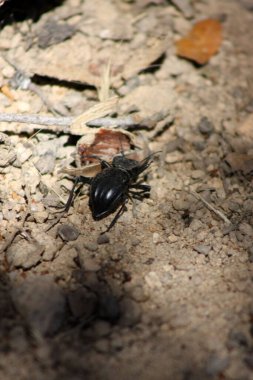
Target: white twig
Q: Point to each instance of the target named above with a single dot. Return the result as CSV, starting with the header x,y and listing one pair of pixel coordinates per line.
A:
x,y
36,119
211,208
111,122
62,124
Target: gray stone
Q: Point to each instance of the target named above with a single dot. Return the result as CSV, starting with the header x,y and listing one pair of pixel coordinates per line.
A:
x,y
103,239
206,126
41,303
68,232
202,249
246,229
181,204
91,246
24,254
45,164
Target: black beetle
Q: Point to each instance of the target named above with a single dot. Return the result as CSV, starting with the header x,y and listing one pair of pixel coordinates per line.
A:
x,y
113,186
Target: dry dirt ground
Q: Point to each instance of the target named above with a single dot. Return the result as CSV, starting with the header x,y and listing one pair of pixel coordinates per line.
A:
x,y
167,293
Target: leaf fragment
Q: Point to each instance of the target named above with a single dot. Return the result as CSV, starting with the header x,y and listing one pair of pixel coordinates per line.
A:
x,y
202,42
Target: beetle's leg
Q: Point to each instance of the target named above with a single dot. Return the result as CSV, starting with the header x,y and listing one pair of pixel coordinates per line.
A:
x,y
82,180
144,191
142,187
104,164
117,216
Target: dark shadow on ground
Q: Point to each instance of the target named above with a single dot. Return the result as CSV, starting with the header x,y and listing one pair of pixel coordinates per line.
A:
x,y
16,10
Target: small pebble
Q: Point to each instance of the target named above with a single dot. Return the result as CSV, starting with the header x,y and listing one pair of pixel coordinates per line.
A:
x,y
206,126
172,238
23,153
91,246
68,232
181,204
202,249
135,241
246,229
137,293
45,164
196,225
197,174
103,239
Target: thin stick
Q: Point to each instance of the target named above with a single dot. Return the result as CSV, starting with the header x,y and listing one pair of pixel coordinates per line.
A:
x,y
211,208
62,124
36,119
112,122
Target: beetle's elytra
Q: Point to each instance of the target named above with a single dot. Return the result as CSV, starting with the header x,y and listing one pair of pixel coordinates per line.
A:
x,y
111,188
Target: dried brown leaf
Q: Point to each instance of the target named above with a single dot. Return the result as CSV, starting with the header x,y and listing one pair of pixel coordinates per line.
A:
x,y
202,42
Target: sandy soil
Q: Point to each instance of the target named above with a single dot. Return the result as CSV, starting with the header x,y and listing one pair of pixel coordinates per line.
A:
x,y
167,293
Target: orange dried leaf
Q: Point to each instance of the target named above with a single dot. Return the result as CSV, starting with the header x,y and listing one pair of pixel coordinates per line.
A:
x,y
7,92
202,42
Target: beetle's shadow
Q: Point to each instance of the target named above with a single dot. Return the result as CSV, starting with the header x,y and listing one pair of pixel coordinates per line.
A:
x,y
15,10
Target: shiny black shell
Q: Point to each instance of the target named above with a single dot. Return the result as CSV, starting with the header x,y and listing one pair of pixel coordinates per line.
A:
x,y
108,190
